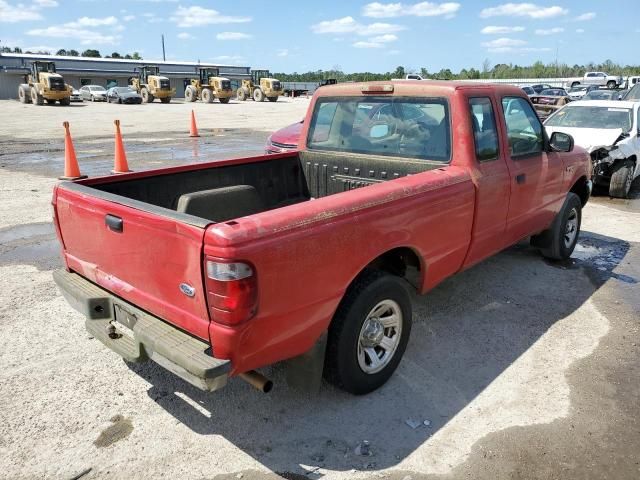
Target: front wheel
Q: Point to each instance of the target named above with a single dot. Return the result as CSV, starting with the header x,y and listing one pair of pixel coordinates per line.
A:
x,y
242,95
621,179
369,333
611,84
146,96
559,241
207,95
258,95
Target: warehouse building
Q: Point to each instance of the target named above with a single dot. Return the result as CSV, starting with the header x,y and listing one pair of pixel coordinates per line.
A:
x,y
108,72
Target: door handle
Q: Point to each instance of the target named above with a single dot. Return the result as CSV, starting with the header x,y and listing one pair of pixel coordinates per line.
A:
x,y
114,223
522,178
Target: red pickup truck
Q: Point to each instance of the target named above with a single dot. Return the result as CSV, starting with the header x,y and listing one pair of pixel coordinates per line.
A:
x,y
216,269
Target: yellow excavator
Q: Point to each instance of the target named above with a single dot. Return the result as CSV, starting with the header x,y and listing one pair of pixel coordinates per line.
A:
x,y
151,85
42,84
260,86
207,86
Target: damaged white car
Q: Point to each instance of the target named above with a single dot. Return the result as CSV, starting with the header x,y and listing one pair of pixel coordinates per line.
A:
x,y
610,131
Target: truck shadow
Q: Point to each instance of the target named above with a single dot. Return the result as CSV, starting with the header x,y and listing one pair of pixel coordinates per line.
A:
x,y
466,333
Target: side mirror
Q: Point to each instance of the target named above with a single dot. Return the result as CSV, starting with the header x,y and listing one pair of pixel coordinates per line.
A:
x,y
379,131
561,142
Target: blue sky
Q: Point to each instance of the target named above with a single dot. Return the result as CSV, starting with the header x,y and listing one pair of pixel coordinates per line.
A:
x,y
357,36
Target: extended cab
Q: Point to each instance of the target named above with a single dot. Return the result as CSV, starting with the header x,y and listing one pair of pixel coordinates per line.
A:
x,y
216,269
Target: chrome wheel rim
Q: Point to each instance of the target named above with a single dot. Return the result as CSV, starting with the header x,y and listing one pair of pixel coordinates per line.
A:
x,y
379,336
571,228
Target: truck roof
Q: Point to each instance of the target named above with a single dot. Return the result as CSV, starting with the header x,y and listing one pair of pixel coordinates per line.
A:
x,y
418,87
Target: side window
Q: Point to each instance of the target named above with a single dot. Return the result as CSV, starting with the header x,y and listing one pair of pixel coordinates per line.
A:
x,y
524,129
589,75
485,134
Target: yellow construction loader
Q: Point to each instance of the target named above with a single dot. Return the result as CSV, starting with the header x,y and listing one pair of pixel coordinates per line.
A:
x,y
151,85
42,84
260,86
207,86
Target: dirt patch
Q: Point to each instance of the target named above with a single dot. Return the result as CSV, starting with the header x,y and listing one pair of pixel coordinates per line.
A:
x,y
121,429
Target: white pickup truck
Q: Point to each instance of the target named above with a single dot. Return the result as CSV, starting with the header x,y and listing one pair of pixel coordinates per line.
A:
x,y
597,78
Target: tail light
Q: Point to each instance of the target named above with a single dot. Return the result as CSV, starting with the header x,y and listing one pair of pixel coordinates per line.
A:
x,y
232,291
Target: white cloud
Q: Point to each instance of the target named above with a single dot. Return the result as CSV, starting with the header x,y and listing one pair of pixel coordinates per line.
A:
x,y
549,31
185,36
349,25
83,30
196,16
368,45
128,18
511,45
523,10
233,36
284,52
46,3
376,42
17,13
384,38
579,30
585,16
504,42
495,30
422,9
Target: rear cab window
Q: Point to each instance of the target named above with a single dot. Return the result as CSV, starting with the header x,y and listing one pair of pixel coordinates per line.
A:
x,y
414,127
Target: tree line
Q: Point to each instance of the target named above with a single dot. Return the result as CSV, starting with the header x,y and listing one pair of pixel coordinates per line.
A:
x,y
74,53
487,71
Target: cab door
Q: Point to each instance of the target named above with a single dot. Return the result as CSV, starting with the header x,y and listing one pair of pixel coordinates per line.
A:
x,y
536,177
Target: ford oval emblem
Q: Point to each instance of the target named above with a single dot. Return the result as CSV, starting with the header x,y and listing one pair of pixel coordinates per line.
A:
x,y
187,289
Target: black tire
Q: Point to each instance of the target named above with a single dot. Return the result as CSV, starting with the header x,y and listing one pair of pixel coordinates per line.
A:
x,y
611,84
224,100
558,242
49,101
190,94
258,95
621,179
342,367
65,101
165,100
272,99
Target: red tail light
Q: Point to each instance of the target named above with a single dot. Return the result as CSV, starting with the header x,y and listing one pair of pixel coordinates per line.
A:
x,y
232,291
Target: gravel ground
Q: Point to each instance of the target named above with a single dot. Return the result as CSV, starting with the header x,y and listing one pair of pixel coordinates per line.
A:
x,y
522,368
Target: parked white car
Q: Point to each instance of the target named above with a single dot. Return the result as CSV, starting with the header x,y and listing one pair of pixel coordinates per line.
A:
x,y
610,131
94,93
576,93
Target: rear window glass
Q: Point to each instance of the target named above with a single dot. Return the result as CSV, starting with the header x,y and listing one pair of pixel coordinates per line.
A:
x,y
386,126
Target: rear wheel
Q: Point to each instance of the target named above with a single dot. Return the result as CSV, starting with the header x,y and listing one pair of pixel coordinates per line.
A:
x,y
23,94
621,179
36,98
242,95
558,242
272,99
190,94
611,84
224,100
258,95
207,96
166,100
369,333
65,101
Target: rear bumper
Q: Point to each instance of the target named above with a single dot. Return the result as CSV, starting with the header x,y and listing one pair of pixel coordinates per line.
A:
x,y
138,336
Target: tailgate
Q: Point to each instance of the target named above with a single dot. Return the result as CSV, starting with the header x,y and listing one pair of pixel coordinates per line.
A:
x,y
153,261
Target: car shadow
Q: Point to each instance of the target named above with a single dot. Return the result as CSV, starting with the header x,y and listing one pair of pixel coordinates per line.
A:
x,y
466,333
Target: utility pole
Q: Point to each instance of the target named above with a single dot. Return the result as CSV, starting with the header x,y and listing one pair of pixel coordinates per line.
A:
x,y
164,56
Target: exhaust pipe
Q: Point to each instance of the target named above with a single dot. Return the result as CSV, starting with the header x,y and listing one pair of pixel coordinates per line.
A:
x,y
257,380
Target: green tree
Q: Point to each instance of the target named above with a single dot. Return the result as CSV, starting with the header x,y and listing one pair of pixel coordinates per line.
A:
x,y
62,52
136,56
73,53
91,53
400,72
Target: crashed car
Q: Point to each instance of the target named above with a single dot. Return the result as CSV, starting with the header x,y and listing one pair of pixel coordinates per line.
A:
x,y
610,131
550,100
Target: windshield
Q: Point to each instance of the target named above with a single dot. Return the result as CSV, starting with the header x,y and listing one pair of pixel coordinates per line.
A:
x,y
592,117
386,126
601,95
97,89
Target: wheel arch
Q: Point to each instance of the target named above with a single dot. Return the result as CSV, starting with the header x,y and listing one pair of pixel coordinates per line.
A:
x,y
402,261
581,188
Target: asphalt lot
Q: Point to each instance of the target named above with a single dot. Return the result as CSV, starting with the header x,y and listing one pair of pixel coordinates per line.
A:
x,y
523,368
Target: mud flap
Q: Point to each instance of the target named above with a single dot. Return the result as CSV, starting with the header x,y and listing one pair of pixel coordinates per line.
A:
x,y
304,372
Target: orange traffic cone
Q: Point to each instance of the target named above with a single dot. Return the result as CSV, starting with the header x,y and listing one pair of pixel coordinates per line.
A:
x,y
193,131
120,164
71,168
